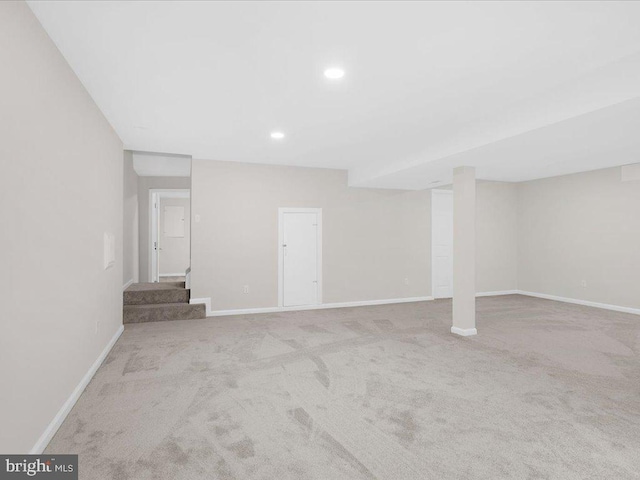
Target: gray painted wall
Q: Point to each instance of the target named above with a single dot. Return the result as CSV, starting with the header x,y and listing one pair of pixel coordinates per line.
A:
x,y
496,236
581,227
544,236
61,190
372,238
144,185
130,222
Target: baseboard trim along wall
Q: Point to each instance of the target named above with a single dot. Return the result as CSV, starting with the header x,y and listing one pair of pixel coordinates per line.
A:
x,y
181,274
464,332
363,303
53,427
587,303
128,284
497,293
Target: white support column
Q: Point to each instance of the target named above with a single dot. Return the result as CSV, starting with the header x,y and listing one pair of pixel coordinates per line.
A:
x,y
464,251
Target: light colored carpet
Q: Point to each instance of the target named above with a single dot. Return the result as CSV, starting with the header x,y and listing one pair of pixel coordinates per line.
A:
x,y
545,391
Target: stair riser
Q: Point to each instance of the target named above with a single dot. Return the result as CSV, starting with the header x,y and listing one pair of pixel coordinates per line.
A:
x,y
154,297
163,313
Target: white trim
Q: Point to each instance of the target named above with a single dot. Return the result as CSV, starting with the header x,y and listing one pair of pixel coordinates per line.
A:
x,y
497,293
363,303
127,285
464,332
575,301
182,274
173,192
55,424
153,234
206,301
587,303
281,212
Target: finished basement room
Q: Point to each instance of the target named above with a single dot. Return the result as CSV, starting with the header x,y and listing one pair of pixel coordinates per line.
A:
x,y
320,240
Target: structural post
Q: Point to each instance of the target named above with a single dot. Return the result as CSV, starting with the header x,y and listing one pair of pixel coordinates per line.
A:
x,y
464,251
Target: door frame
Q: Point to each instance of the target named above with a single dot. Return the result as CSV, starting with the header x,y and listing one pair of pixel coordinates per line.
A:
x,y
281,212
433,262
155,195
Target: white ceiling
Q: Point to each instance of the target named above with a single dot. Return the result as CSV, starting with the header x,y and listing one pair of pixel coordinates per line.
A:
x,y
521,90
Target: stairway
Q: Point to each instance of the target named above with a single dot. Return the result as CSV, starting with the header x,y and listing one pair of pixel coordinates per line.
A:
x,y
159,302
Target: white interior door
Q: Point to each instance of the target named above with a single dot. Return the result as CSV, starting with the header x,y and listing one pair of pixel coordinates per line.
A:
x,y
300,258
442,243
154,247
174,221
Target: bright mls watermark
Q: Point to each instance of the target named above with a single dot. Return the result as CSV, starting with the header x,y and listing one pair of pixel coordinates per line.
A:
x,y
51,467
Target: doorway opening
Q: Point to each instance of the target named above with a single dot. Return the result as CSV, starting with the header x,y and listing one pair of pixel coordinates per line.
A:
x,y
170,238
299,256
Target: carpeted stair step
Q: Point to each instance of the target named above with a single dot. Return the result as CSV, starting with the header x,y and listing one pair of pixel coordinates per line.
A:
x,y
163,312
156,293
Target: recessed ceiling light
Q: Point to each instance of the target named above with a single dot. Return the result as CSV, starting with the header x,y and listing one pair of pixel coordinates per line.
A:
x,y
334,73
277,135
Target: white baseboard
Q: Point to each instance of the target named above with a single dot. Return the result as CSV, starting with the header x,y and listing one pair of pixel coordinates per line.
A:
x,y
586,303
181,274
465,332
53,427
127,285
497,293
363,303
606,306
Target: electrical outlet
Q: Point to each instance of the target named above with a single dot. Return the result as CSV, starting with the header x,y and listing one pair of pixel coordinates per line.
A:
x,y
583,283
97,326
245,289
406,281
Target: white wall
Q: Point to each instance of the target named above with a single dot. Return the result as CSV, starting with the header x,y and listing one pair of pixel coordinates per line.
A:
x,y
544,236
61,189
579,227
175,256
130,222
372,239
144,185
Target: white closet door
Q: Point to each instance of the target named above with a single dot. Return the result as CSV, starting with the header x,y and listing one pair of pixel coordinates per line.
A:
x,y
300,259
442,243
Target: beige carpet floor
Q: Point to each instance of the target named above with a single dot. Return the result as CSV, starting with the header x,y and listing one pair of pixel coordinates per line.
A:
x,y
545,391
